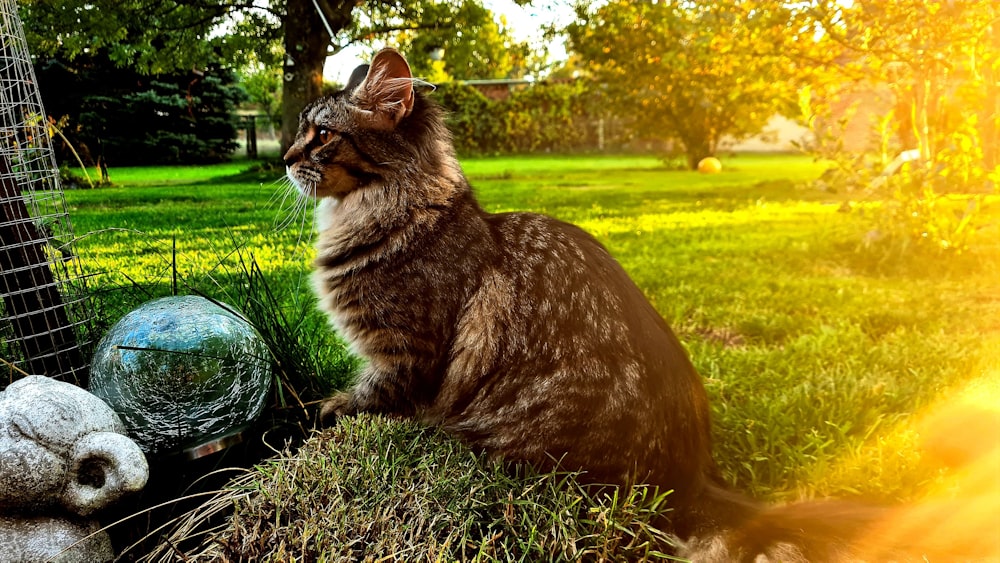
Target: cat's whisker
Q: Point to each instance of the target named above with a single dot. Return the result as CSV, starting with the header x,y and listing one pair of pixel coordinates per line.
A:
x,y
299,218
296,210
280,201
282,188
285,210
298,214
308,208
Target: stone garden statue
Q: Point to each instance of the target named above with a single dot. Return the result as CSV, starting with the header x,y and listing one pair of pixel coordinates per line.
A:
x,y
63,456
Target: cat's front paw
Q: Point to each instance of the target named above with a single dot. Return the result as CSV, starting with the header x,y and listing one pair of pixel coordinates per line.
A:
x,y
335,407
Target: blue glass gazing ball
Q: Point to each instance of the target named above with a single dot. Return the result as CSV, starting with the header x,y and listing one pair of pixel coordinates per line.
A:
x,y
182,372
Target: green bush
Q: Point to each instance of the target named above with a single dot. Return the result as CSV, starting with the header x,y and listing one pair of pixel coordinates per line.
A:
x,y
916,210
552,117
123,118
556,117
472,118
929,204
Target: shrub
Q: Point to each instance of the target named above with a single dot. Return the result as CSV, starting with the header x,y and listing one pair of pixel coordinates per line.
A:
x,y
472,118
929,203
124,118
551,117
545,117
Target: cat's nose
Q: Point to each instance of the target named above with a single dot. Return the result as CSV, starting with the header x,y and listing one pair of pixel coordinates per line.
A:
x,y
290,156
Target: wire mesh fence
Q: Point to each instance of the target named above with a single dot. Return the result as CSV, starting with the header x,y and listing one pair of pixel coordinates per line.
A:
x,y
45,312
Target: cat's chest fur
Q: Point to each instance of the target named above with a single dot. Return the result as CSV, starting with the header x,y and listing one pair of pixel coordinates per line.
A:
x,y
388,283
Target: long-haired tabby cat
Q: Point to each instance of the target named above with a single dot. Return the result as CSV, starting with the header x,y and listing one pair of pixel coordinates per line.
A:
x,y
516,332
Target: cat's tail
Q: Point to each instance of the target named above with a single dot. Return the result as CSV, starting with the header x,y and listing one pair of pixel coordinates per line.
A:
x,y
836,531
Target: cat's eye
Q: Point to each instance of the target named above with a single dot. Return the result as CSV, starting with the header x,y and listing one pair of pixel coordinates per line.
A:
x,y
324,136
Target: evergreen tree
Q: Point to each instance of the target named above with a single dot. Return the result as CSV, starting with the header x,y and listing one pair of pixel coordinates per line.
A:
x,y
121,117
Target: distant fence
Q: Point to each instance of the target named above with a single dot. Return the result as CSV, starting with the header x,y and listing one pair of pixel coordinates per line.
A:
x,y
257,133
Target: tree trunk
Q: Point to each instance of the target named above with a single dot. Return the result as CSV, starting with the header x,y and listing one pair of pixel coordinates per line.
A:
x,y
31,300
989,116
306,42
695,150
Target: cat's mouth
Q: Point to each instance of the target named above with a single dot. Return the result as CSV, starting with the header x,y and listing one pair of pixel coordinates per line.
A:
x,y
304,178
312,182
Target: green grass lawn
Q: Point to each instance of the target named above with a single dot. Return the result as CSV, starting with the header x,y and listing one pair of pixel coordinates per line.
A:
x,y
821,358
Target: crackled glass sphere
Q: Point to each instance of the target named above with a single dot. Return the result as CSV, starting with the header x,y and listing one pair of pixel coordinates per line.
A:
x,y
182,372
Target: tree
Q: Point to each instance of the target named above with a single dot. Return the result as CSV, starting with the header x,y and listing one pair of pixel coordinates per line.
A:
x,y
942,60
463,41
157,36
263,87
120,117
692,72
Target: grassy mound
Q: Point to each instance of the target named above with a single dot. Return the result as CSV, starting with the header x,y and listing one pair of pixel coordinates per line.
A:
x,y
373,488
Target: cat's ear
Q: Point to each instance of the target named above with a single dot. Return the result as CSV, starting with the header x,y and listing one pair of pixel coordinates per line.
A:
x,y
388,87
356,77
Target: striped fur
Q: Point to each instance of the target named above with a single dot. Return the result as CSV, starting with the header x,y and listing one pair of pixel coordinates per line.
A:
x,y
516,332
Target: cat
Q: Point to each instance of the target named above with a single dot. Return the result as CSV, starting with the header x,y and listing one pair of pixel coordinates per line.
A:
x,y
515,332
